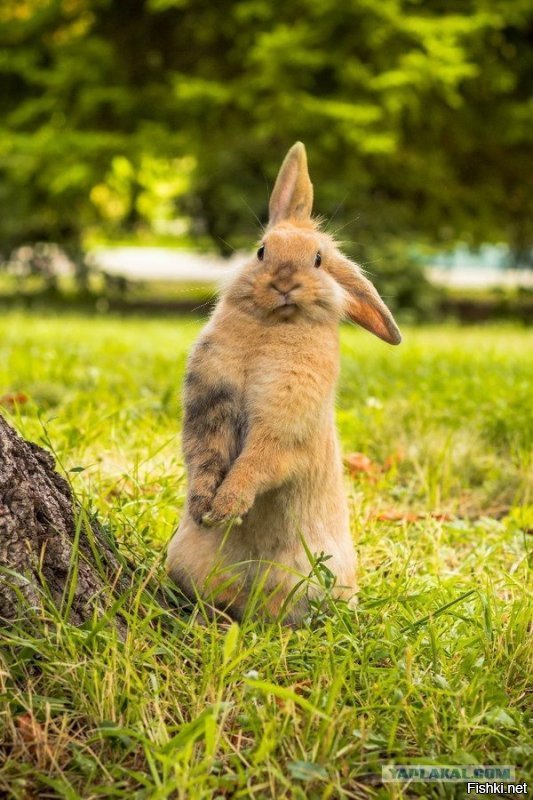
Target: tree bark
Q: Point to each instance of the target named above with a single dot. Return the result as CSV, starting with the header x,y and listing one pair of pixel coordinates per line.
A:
x,y
49,548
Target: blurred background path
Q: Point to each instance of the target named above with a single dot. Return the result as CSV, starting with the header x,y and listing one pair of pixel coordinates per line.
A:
x,y
169,264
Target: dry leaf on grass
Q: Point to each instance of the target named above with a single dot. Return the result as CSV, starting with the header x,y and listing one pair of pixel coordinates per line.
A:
x,y
13,399
30,730
393,515
396,515
33,737
360,463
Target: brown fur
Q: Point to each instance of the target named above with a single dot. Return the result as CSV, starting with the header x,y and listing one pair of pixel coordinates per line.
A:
x,y
260,445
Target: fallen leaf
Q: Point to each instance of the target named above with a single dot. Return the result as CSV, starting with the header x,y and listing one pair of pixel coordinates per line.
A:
x,y
393,460
396,515
31,732
358,462
42,743
11,400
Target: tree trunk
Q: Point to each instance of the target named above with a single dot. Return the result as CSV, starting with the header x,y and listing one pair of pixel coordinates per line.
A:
x,y
49,548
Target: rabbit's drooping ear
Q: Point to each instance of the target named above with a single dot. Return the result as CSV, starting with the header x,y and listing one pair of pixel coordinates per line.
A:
x,y
292,196
365,306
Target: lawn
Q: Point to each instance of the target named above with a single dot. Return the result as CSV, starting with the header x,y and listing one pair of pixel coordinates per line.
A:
x,y
435,664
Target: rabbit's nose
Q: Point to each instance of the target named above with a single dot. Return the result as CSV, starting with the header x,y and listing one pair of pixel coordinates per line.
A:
x,y
285,290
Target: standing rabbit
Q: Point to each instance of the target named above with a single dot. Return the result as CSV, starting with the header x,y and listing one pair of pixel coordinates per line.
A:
x,y
263,459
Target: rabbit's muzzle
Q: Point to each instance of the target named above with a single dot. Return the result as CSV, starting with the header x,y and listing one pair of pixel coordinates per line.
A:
x,y
284,282
285,292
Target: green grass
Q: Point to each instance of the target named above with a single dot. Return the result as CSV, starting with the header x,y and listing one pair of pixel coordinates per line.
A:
x,y
433,666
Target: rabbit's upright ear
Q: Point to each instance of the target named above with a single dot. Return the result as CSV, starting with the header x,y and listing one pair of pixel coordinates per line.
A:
x,y
292,196
364,304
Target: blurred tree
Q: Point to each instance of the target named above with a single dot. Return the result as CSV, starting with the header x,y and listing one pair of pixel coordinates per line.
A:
x,y
417,115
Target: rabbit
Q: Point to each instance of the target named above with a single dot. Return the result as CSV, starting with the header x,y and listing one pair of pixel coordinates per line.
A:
x,y
265,477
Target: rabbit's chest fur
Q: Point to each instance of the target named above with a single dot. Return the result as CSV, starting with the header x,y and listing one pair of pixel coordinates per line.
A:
x,y
283,375
274,383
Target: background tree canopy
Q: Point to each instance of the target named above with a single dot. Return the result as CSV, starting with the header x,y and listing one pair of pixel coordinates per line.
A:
x,y
417,117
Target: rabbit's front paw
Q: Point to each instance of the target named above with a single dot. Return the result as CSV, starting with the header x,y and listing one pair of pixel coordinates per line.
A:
x,y
226,507
199,505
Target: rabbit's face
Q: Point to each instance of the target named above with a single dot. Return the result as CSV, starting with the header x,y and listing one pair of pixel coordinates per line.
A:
x,y
288,278
298,272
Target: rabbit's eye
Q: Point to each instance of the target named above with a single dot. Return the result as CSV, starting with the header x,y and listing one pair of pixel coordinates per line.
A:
x,y
261,252
318,260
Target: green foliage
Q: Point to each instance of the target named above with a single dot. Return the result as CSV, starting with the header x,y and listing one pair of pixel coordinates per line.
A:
x,y
417,116
433,666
